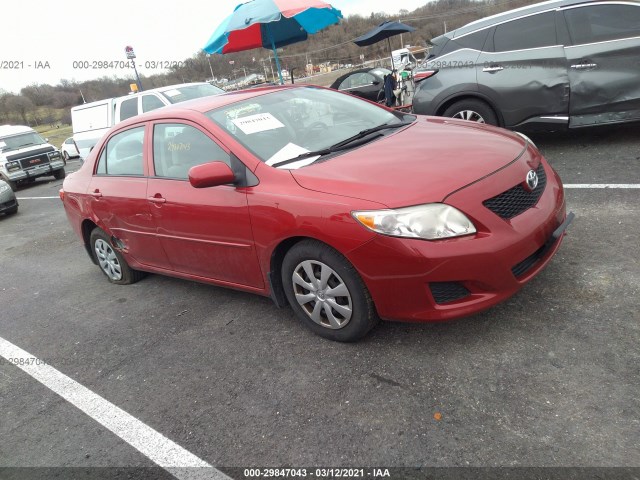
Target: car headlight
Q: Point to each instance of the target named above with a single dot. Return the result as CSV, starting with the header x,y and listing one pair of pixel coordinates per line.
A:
x,y
54,155
4,188
12,166
433,221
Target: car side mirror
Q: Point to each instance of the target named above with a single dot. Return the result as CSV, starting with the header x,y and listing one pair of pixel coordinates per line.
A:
x,y
376,82
46,140
211,174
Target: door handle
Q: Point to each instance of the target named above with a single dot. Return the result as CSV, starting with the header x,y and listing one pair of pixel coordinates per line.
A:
x,y
157,199
584,66
96,194
495,68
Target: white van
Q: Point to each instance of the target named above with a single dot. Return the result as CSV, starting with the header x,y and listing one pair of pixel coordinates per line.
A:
x,y
25,156
92,120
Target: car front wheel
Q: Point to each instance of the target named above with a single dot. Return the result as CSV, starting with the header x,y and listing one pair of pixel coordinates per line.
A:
x,y
472,110
326,292
59,174
111,262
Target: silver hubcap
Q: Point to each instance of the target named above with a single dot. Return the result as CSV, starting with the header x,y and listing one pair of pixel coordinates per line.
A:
x,y
107,259
469,115
322,294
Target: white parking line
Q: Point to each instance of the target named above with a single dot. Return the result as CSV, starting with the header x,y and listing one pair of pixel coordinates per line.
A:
x,y
37,198
155,446
602,185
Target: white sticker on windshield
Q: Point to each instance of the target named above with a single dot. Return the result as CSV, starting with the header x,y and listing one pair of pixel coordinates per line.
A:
x,y
2,144
260,122
291,150
172,93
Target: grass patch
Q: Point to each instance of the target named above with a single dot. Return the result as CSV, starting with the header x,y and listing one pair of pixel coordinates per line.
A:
x,y
55,135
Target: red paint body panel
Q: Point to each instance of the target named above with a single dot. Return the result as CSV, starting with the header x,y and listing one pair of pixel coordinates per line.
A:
x,y
227,236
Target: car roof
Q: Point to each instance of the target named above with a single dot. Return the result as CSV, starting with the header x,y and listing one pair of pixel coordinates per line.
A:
x,y
205,104
509,15
7,130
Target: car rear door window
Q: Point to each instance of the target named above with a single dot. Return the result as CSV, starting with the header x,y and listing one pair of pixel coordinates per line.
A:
x,y
601,23
123,154
534,31
129,108
151,102
177,147
357,80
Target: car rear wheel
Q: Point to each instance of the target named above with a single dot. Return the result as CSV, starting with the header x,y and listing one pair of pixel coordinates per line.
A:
x,y
110,261
59,174
326,292
472,110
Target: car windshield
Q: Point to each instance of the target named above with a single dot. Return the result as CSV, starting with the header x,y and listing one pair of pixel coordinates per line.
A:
x,y
182,94
18,141
287,123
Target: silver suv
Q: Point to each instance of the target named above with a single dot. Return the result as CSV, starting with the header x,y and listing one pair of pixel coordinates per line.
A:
x,y
568,63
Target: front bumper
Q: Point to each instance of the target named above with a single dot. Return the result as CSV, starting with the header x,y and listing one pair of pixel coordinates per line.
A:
x,y
7,203
37,171
421,281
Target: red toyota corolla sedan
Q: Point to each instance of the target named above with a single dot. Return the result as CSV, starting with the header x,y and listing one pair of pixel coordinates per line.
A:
x,y
343,209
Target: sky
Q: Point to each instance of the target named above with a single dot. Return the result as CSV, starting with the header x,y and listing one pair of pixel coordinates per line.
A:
x,y
44,41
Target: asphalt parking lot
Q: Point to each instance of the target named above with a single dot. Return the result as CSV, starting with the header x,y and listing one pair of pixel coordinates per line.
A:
x,y
549,378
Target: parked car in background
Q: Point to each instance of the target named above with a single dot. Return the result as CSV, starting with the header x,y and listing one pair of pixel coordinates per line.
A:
x,y
365,83
8,201
25,156
69,149
561,63
91,120
299,193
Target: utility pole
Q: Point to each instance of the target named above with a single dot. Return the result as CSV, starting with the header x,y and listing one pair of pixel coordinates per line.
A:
x,y
445,26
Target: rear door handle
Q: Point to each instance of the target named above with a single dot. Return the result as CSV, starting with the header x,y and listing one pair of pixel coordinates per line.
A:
x,y
96,193
493,69
157,198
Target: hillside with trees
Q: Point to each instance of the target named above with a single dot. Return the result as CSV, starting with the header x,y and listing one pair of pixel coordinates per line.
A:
x,y
40,104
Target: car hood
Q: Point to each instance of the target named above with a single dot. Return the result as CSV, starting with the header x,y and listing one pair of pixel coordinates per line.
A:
x,y
421,163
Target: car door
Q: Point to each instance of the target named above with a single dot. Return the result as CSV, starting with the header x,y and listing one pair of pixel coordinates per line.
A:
x,y
118,197
362,84
206,232
523,71
604,60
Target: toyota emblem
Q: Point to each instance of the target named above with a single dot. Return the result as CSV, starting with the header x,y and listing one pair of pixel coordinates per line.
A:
x,y
532,180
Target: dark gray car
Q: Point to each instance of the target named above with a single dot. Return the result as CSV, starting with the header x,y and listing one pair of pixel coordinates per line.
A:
x,y
569,63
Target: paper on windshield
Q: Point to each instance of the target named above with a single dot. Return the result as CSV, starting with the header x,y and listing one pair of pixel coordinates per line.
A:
x,y
172,93
260,122
2,144
291,150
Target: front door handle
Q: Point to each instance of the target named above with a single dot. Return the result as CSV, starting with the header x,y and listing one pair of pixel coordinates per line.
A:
x,y
157,198
492,69
584,66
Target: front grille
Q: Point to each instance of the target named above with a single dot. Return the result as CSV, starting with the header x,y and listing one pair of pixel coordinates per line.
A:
x,y
34,161
444,292
516,200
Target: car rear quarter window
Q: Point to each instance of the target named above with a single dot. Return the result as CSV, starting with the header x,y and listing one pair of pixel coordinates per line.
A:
x,y
123,154
178,147
534,31
600,23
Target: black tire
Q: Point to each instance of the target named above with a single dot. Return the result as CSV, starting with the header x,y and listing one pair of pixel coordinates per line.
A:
x,y
363,316
100,241
65,157
480,108
59,174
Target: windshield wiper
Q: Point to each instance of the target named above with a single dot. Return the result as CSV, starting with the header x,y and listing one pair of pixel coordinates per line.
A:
x,y
25,145
344,144
369,131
